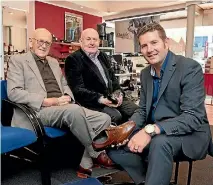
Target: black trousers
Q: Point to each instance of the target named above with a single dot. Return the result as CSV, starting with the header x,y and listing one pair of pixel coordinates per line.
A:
x,y
121,113
154,165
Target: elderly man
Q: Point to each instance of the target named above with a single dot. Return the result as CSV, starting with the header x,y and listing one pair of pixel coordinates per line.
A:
x,y
36,80
89,75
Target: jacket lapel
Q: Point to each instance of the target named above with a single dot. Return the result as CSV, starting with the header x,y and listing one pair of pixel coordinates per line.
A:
x,y
92,66
149,91
55,72
34,68
170,68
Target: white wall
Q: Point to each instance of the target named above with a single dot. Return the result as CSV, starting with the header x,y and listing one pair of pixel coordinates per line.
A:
x,y
18,37
18,24
205,19
208,17
1,47
126,44
30,21
13,20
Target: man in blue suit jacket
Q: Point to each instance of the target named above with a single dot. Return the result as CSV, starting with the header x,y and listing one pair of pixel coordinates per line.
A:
x,y
171,120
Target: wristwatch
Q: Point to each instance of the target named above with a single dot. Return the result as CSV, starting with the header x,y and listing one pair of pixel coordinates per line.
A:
x,y
150,129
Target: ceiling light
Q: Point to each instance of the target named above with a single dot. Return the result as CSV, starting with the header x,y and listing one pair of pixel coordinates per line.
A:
x,y
82,7
11,13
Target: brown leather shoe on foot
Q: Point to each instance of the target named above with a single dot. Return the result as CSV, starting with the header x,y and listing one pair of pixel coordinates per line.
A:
x,y
84,173
113,136
104,161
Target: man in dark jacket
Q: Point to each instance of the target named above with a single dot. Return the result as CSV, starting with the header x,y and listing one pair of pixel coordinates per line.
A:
x,y
89,75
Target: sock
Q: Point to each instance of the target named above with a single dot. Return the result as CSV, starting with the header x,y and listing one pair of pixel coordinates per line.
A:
x,y
86,161
92,152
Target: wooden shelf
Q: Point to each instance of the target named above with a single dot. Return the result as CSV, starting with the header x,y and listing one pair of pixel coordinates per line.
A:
x,y
68,44
61,50
106,48
78,44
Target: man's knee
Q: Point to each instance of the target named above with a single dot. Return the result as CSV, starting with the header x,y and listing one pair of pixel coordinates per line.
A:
x,y
117,155
116,116
107,119
124,158
75,110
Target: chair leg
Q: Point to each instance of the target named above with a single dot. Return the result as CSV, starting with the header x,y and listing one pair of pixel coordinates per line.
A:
x,y
176,172
189,172
44,169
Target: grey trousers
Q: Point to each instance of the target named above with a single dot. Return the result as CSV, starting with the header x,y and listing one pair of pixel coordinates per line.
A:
x,y
85,124
159,155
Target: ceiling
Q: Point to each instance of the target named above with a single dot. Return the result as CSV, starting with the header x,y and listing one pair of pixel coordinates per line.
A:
x,y
13,17
116,9
110,10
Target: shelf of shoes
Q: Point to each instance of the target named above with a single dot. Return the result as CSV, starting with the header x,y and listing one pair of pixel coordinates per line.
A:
x,y
61,50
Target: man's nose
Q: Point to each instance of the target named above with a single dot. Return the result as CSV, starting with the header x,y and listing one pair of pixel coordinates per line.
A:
x,y
92,42
149,48
44,45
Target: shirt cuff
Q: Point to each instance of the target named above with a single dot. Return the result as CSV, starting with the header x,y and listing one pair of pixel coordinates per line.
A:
x,y
162,131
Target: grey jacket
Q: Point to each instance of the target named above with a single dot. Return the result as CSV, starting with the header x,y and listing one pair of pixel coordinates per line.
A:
x,y
180,108
25,85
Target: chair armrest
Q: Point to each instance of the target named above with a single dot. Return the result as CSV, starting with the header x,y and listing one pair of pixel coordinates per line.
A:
x,y
31,115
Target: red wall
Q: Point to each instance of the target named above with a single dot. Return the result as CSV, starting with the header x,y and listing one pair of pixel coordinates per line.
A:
x,y
52,18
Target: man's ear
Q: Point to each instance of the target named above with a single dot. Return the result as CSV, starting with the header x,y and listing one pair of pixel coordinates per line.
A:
x,y
166,41
30,43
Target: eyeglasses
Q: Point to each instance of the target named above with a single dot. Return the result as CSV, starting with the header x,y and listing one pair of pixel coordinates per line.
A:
x,y
42,42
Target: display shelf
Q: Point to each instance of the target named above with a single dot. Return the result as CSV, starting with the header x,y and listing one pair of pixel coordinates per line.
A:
x,y
106,48
68,44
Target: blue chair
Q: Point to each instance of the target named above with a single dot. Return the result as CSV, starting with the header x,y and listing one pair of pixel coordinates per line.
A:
x,y
45,136
12,137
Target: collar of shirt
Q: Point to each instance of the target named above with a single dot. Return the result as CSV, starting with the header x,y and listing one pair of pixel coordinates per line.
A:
x,y
37,58
92,55
163,67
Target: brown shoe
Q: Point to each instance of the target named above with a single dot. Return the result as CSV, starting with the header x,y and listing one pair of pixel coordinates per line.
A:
x,y
113,136
104,161
84,173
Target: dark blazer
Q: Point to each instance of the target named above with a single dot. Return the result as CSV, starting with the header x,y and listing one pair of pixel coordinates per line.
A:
x,y
180,108
85,80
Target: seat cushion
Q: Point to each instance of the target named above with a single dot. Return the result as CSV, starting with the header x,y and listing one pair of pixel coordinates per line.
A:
x,y
88,181
13,138
54,132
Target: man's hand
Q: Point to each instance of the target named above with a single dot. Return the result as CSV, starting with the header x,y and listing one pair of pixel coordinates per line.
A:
x,y
48,102
106,102
63,100
139,141
120,99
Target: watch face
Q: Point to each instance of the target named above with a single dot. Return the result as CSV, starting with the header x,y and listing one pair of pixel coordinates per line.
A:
x,y
150,129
